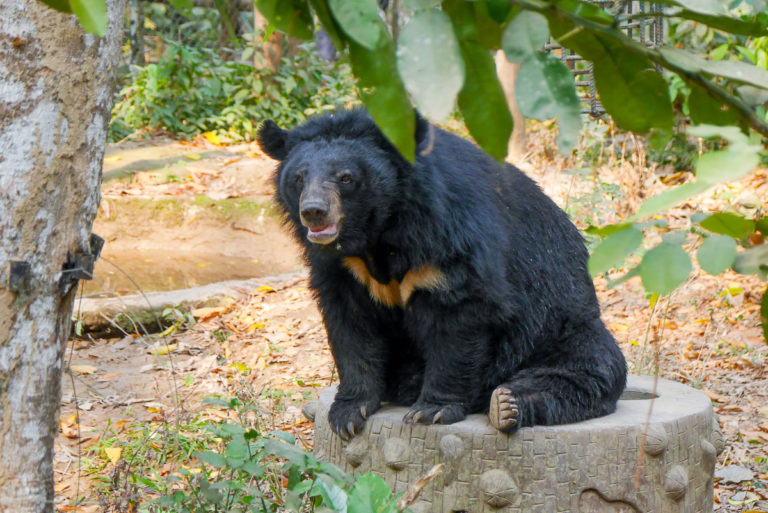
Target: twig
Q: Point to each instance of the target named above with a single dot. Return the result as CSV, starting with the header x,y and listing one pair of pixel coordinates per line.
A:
x,y
415,489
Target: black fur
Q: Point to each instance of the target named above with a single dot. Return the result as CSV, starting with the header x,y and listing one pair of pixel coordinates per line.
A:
x,y
515,307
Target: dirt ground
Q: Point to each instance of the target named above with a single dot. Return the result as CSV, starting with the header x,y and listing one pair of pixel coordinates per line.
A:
x,y
272,346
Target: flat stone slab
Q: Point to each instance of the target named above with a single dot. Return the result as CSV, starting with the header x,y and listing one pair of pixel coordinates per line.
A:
x,y
650,456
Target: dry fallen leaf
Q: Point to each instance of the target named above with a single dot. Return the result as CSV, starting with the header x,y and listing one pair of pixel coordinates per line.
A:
x,y
113,453
83,369
212,138
163,350
206,313
69,427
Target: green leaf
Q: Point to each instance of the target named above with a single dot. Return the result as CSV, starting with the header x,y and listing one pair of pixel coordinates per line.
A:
x,y
614,249
293,454
753,261
631,90
370,494
384,95
705,110
764,314
182,5
289,16
587,10
482,101
488,30
710,7
733,225
59,5
711,168
738,71
415,5
218,402
634,94
635,271
430,64
545,90
723,166
92,15
499,10
237,449
524,36
664,267
607,229
333,496
669,199
762,225
329,24
285,436
716,254
253,469
732,134
360,20
212,458
728,24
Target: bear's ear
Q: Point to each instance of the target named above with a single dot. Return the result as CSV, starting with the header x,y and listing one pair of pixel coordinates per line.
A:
x,y
424,135
272,140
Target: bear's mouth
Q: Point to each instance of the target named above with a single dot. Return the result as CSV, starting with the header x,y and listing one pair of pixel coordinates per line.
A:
x,y
323,234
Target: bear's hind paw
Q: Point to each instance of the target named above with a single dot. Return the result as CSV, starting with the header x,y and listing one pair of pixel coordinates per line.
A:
x,y
504,411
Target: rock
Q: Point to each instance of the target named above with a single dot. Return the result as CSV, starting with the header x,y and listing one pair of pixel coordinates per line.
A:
x,y
734,474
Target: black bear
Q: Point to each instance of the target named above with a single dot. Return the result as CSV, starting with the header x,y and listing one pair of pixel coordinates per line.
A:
x,y
453,285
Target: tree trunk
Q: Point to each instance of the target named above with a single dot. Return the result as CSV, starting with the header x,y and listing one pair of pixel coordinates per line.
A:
x,y
518,145
270,50
57,84
136,32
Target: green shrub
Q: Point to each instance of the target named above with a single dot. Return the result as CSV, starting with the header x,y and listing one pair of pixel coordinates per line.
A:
x,y
193,90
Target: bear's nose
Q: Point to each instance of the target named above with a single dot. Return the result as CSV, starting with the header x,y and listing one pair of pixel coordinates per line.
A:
x,y
314,212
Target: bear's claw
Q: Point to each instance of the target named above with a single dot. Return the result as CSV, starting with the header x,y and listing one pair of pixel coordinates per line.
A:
x,y
504,412
347,418
426,413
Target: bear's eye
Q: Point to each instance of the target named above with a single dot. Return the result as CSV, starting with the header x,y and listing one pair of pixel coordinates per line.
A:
x,y
300,178
345,178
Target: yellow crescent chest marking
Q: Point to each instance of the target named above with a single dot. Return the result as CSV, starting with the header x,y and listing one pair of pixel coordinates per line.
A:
x,y
395,293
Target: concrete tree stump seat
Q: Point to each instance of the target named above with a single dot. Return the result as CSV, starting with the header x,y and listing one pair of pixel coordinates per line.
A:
x,y
591,466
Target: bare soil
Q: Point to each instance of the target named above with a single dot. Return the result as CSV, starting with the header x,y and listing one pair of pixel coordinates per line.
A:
x,y
271,346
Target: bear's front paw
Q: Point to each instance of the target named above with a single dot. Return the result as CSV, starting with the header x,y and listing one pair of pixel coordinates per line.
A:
x,y
430,413
347,417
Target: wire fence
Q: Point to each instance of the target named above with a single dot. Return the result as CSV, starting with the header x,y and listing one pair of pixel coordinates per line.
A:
x,y
642,21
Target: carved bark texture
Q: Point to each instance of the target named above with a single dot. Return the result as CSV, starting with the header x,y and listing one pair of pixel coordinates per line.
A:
x,y
56,86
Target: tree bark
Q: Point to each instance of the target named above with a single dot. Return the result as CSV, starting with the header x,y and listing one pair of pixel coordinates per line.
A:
x,y
270,50
136,32
507,71
56,87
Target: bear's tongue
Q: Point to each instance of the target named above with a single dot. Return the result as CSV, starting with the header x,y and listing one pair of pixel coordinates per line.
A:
x,y
322,229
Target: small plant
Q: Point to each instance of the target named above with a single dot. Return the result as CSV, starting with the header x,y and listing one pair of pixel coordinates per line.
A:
x,y
266,473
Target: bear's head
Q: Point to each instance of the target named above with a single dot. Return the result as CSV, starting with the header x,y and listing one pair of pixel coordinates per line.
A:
x,y
338,178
